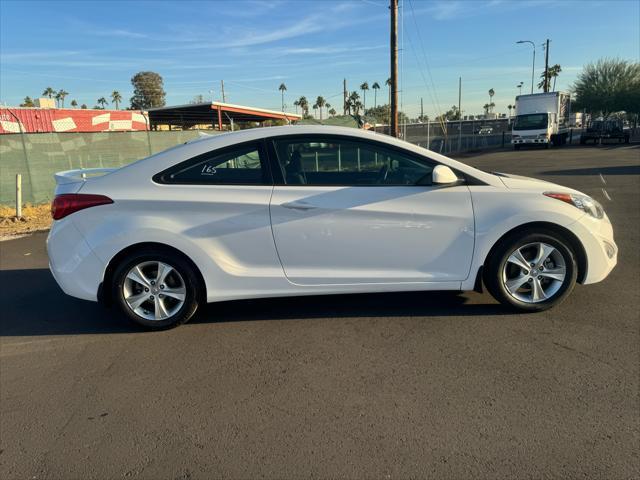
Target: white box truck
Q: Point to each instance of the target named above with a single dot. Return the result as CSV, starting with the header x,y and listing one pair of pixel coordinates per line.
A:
x,y
541,119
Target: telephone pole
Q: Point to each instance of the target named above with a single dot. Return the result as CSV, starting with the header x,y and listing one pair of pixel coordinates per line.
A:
x,y
224,98
394,68
546,67
344,95
459,113
421,111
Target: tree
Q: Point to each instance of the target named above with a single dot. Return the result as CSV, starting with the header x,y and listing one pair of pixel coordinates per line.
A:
x,y
116,98
48,92
353,103
315,107
492,92
304,105
364,87
27,102
74,103
282,88
60,95
609,85
148,91
332,112
84,106
295,104
375,87
486,107
320,102
552,72
102,102
510,107
452,114
380,114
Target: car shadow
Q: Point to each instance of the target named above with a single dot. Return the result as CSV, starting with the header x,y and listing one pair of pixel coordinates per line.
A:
x,y
611,170
33,304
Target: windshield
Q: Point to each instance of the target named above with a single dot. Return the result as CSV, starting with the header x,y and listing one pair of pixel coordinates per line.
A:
x,y
535,121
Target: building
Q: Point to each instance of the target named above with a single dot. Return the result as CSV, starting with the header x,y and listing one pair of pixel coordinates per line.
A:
x,y
214,115
48,120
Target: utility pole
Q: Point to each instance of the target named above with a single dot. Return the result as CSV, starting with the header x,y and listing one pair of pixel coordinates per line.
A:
x,y
459,113
224,99
421,111
394,67
344,95
546,67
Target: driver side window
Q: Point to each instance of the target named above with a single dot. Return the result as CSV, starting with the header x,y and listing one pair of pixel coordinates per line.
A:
x,y
336,161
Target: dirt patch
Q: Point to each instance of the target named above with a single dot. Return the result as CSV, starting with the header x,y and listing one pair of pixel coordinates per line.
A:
x,y
34,218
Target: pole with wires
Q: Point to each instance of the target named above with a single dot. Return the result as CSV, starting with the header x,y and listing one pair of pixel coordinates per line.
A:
x,y
459,113
394,67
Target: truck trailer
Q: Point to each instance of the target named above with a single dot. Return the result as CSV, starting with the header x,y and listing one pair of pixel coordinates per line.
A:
x,y
541,119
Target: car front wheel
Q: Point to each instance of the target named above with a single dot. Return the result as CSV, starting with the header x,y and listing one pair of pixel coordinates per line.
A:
x,y
156,289
531,272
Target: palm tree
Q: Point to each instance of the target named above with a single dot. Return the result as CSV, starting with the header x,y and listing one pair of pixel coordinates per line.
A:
x,y
295,104
353,102
74,104
509,107
332,112
375,87
116,98
315,107
486,107
320,102
60,94
388,84
304,105
554,71
282,88
492,92
364,87
102,102
48,92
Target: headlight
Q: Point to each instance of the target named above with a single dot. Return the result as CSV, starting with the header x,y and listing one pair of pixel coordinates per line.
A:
x,y
583,202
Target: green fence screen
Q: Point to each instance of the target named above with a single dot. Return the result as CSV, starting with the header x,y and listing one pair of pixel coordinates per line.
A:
x,y
37,156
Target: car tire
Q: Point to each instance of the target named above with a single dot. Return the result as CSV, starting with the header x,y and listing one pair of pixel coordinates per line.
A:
x,y
156,289
536,288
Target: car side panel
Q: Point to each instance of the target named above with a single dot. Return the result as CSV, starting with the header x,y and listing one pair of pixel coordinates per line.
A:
x,y
225,230
499,210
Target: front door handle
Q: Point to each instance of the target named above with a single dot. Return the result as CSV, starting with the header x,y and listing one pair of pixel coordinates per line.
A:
x,y
298,206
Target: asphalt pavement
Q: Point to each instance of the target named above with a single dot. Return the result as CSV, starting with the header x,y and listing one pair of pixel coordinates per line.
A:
x,y
436,385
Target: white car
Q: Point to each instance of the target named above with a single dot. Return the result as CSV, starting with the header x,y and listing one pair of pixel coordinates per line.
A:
x,y
311,210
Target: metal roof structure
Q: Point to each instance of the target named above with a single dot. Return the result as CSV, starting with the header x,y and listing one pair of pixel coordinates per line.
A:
x,y
216,114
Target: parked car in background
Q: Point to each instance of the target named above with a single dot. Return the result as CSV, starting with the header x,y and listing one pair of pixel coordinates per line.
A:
x,y
600,130
311,210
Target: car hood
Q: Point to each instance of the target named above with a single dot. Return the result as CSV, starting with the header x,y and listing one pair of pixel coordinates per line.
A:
x,y
518,182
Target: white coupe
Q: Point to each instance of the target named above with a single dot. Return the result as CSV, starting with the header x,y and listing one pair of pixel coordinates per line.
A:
x,y
310,210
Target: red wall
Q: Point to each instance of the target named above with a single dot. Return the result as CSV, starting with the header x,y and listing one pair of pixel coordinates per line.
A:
x,y
35,120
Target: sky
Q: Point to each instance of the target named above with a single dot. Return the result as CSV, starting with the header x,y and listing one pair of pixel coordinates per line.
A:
x,y
91,48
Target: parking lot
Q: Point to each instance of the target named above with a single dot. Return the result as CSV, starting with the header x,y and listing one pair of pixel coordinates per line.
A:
x,y
437,385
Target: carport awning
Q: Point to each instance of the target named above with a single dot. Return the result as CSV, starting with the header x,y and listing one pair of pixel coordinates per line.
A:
x,y
213,113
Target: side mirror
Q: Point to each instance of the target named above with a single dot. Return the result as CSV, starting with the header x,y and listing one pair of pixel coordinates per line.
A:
x,y
443,175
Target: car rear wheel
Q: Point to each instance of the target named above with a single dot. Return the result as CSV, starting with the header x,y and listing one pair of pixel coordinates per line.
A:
x,y
531,272
156,289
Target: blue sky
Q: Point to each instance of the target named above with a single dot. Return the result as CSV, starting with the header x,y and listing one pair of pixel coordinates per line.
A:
x,y
92,48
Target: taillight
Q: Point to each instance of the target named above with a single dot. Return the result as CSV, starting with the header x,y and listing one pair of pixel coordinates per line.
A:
x,y
68,203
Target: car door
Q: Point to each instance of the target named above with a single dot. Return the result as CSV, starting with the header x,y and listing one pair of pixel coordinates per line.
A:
x,y
352,211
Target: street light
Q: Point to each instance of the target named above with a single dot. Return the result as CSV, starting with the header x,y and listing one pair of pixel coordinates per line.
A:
x,y
519,86
533,68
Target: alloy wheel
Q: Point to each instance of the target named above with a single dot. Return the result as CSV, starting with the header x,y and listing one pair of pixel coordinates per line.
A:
x,y
534,272
154,290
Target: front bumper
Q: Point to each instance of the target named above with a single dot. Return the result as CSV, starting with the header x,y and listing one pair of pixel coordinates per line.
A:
x,y
520,141
600,248
73,264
